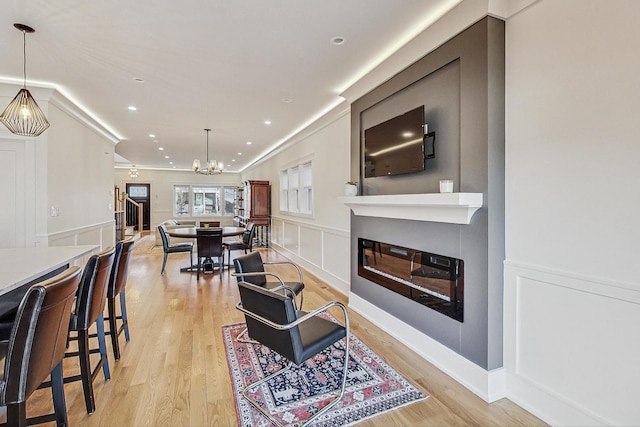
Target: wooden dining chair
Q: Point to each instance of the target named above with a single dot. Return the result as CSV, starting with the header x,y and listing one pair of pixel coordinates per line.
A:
x,y
36,347
209,246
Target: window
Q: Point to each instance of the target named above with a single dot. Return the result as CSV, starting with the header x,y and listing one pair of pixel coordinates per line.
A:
x,y
284,190
306,188
203,200
229,200
296,189
181,206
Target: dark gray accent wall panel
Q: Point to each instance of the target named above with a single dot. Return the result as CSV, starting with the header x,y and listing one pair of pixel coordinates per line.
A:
x,y
461,85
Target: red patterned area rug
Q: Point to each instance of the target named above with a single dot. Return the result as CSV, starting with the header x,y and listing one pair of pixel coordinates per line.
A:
x,y
373,387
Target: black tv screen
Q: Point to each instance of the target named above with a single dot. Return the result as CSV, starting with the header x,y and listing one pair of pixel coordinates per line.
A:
x,y
397,146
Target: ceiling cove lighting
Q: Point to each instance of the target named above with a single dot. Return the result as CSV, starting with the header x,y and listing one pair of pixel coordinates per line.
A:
x,y
213,167
23,116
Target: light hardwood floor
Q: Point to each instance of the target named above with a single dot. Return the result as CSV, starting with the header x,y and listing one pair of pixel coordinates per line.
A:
x,y
174,371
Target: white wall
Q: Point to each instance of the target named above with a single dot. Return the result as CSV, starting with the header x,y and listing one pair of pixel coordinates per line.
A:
x,y
162,183
572,293
69,166
320,243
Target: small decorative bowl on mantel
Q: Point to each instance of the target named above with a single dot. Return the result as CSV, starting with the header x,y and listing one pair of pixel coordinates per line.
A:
x,y
351,188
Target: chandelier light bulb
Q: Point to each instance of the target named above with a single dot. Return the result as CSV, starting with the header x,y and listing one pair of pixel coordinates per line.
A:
x,y
212,167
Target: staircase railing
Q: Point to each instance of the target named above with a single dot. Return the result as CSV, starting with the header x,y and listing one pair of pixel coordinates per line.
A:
x,y
133,210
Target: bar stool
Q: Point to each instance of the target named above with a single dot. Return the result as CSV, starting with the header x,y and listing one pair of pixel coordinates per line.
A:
x,y
90,302
117,282
35,348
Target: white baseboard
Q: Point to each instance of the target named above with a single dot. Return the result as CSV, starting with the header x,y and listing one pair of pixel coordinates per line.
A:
x,y
488,385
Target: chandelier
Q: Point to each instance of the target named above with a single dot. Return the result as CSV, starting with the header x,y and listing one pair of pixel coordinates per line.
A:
x,y
23,116
212,167
133,172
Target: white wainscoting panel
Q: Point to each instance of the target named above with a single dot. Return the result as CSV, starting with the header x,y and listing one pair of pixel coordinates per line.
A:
x,y
290,237
311,245
12,176
102,234
321,250
336,256
277,231
572,347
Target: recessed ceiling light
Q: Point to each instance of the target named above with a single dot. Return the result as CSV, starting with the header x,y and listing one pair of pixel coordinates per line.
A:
x,y
239,153
132,108
170,163
249,142
286,100
267,122
138,80
160,148
233,160
337,40
166,157
151,135
155,140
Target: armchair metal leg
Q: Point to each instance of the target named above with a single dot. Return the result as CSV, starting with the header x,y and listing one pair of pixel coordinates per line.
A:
x,y
247,340
246,391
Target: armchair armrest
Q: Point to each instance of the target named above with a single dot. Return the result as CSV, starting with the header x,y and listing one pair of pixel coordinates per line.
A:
x,y
286,262
282,286
299,320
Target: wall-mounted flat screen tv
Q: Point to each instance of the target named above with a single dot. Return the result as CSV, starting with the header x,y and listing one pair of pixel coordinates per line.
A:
x,y
398,145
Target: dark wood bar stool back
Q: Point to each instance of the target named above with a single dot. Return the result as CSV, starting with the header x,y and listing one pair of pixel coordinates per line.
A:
x,y
90,302
36,348
116,289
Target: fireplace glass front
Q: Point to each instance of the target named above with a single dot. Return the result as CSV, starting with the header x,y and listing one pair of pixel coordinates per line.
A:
x,y
433,280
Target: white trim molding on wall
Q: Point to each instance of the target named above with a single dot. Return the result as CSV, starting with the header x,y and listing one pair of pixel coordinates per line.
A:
x,y
488,385
323,251
564,363
102,234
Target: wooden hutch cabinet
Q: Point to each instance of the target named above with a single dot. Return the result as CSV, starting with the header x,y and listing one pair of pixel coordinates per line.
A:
x,y
253,204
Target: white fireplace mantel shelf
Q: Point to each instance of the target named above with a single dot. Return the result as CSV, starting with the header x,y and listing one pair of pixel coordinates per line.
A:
x,y
455,208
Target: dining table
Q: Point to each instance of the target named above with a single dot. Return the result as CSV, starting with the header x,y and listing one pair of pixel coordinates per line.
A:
x,y
20,268
191,232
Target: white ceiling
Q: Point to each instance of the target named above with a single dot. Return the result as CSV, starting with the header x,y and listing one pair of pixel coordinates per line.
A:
x,y
220,64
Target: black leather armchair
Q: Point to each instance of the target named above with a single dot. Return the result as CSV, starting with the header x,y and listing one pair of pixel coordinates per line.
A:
x,y
274,321
250,268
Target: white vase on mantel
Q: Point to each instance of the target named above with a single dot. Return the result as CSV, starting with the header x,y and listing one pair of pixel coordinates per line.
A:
x,y
350,190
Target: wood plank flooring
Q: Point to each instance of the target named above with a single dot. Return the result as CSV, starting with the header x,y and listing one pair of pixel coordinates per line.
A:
x,y
174,371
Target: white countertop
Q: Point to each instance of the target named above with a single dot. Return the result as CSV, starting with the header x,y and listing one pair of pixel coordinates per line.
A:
x,y
22,265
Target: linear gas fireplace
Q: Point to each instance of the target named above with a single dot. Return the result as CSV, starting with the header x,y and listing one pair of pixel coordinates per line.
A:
x,y
433,280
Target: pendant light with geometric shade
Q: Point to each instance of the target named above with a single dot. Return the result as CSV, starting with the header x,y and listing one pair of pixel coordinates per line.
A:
x,y
23,116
